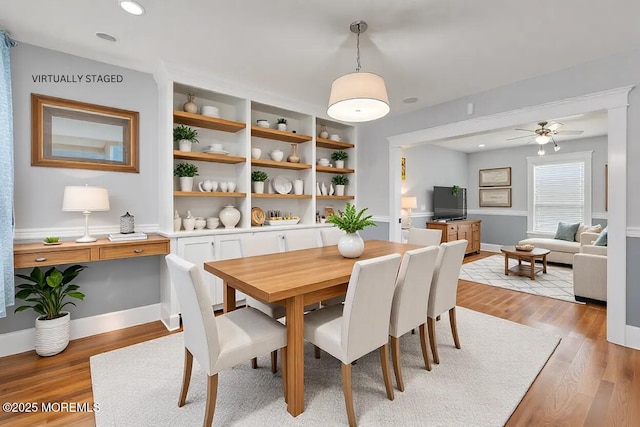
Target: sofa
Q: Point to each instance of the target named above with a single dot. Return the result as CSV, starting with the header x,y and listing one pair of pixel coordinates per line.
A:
x,y
590,273
562,251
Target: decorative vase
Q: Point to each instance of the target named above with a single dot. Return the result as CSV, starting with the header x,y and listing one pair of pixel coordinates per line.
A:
x,y
256,153
340,164
323,132
186,183
323,189
177,222
339,190
52,336
298,186
190,106
184,145
293,156
189,223
318,191
331,190
351,245
282,127
127,223
258,187
229,216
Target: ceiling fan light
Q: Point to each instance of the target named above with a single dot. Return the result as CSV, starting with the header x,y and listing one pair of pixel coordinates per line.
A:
x,y
556,148
358,97
541,151
542,139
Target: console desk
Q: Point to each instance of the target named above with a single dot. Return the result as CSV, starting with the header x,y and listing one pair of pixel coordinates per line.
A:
x,y
69,252
468,229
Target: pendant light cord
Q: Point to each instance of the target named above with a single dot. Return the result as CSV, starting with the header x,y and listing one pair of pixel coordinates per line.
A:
x,y
358,50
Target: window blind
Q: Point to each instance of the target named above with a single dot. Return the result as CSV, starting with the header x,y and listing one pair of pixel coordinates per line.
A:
x,y
558,194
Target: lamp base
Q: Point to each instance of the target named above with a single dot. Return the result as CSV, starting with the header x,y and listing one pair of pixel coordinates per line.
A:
x,y
86,239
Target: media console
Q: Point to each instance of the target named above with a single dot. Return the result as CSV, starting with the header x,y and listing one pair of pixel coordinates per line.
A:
x,y
468,229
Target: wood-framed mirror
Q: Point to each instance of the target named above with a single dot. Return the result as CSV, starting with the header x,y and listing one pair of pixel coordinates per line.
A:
x,y
79,135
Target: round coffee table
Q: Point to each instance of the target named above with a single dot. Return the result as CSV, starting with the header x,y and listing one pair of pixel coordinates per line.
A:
x,y
530,270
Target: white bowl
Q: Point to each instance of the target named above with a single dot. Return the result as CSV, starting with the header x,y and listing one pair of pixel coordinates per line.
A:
x,y
263,123
276,155
210,111
216,147
335,137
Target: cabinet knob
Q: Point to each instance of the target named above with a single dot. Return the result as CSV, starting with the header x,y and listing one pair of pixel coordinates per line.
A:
x,y
41,259
138,251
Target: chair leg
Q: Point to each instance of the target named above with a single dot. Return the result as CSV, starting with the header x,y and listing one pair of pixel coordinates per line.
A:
x,y
212,394
274,361
186,377
283,350
431,323
254,363
423,344
384,361
348,397
316,350
395,357
454,326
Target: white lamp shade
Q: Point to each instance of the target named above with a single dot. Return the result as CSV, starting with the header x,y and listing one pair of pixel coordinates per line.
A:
x,y
542,139
409,202
91,199
358,97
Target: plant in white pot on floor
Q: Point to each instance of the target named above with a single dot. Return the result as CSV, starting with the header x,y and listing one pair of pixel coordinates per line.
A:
x,y
47,293
339,157
258,178
340,181
185,136
350,221
186,172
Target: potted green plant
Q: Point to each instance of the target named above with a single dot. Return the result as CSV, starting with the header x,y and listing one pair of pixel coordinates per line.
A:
x,y
350,221
282,124
339,157
47,293
51,240
258,178
454,190
186,172
340,181
185,136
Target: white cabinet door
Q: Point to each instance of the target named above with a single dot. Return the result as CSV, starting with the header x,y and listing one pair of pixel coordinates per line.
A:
x,y
199,250
227,247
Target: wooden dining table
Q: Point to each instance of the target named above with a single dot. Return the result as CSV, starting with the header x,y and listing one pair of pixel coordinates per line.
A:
x,y
295,279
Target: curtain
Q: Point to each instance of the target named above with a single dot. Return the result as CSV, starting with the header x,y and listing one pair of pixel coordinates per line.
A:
x,y
6,177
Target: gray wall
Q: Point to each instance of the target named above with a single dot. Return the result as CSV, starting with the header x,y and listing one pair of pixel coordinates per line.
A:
x,y
379,232
109,285
612,72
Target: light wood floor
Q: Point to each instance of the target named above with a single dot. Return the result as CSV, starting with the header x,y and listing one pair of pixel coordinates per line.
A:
x,y
587,381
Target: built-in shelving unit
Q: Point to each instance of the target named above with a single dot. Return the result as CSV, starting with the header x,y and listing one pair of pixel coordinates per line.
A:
x,y
336,197
208,194
280,196
206,157
329,169
213,123
279,165
334,145
278,135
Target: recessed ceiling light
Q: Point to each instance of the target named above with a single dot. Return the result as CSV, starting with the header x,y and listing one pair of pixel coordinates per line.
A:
x,y
480,145
132,7
410,100
108,37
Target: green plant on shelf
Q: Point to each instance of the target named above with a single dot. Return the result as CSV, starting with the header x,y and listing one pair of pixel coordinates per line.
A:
x,y
51,239
185,170
282,121
339,155
340,180
259,176
185,133
351,221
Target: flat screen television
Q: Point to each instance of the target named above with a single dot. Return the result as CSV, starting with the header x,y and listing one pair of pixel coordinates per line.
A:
x,y
448,206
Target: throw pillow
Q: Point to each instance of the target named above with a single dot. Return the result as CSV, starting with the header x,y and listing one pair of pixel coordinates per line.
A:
x,y
567,231
602,239
587,229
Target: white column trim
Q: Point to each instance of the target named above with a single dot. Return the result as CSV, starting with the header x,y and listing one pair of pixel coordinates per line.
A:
x,y
395,183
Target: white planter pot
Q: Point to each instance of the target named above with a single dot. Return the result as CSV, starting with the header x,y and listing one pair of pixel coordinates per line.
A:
x,y
282,126
186,183
339,164
258,187
52,336
339,190
184,145
229,216
351,245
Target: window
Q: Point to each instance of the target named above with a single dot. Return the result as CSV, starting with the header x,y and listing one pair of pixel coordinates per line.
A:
x,y
559,190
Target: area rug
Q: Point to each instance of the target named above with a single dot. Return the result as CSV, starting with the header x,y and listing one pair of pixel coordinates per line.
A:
x,y
557,283
480,384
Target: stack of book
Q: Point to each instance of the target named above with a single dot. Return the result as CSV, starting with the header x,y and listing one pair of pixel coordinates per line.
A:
x,y
119,237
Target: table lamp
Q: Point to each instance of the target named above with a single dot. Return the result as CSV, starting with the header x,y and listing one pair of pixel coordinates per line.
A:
x,y
408,203
86,200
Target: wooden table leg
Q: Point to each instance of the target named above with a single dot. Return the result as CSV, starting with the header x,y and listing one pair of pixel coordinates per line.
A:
x,y
506,264
532,264
295,355
229,297
544,264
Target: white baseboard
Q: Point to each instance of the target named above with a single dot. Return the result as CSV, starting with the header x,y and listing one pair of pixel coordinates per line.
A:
x,y
632,338
490,247
21,341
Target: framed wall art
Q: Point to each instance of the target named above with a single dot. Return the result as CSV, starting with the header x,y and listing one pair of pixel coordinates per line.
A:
x,y
496,177
495,197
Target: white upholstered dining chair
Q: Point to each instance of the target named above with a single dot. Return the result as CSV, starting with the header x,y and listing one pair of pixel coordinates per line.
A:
x,y
424,237
444,287
218,343
409,308
330,236
362,326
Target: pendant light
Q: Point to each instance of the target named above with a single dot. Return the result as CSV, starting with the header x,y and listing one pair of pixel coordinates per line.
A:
x,y
359,96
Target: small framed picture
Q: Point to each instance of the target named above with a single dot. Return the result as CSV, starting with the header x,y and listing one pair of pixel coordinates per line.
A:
x,y
496,177
328,211
495,197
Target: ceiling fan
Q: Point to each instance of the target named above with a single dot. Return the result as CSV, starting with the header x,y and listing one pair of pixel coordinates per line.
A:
x,y
546,131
